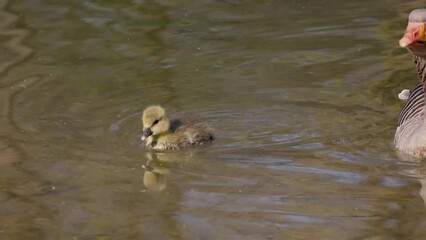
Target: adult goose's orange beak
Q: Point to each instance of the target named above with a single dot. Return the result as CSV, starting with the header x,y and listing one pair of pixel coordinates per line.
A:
x,y
414,35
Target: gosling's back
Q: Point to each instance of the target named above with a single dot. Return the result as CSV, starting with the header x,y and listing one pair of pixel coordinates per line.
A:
x,y
185,131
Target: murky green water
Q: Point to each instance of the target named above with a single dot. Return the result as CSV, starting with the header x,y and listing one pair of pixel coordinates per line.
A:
x,y
302,94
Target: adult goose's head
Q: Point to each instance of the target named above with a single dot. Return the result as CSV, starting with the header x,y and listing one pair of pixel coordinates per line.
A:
x,y
414,37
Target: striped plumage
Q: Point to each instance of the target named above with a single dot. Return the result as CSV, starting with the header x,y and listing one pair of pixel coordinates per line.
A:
x,y
414,107
410,135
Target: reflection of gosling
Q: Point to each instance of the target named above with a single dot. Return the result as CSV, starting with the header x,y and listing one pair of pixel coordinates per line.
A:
x,y
156,171
159,166
153,180
162,134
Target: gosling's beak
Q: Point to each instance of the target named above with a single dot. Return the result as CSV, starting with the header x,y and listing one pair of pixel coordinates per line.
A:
x,y
146,133
415,33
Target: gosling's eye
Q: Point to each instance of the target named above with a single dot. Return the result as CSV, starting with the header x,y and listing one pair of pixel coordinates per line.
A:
x,y
155,122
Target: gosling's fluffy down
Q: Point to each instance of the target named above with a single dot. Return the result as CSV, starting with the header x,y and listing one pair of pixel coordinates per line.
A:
x,y
160,133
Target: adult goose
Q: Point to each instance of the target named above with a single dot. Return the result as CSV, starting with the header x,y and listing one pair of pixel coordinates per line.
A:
x,y
410,136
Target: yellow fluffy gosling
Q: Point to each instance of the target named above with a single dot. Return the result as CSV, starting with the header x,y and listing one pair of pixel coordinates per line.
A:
x,y
162,134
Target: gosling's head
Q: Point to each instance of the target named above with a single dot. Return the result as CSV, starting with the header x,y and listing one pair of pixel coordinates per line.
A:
x,y
154,121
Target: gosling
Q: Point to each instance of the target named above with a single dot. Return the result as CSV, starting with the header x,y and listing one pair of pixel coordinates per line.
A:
x,y
162,134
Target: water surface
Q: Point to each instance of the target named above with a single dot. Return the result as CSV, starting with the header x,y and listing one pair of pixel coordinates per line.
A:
x,y
302,96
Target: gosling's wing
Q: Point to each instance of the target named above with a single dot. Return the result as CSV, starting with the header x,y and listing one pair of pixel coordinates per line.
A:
x,y
200,133
414,107
194,138
191,131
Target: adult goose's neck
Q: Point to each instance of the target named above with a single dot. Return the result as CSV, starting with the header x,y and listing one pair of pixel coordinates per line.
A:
x,y
414,108
421,69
